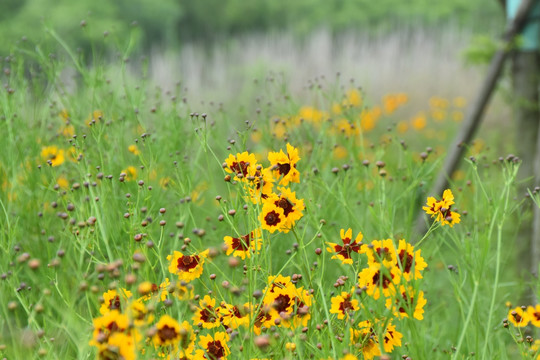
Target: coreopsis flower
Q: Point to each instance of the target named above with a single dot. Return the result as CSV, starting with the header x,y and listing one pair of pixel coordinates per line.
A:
x,y
380,252
104,326
53,155
243,246
364,338
301,310
392,338
344,304
259,184
291,206
139,313
173,338
533,313
241,165
181,291
343,252
281,299
407,301
207,314
265,316
187,267
114,300
441,209
133,149
272,217
118,346
94,117
284,165
130,173
214,347
157,292
376,278
410,262
519,317
234,316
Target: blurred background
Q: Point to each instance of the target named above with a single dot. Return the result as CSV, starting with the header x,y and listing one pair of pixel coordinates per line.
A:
x,y
420,47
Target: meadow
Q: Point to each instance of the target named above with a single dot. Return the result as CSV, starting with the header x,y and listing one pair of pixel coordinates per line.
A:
x,y
250,211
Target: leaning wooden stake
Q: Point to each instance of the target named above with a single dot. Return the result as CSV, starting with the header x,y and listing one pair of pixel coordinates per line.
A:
x,y
475,112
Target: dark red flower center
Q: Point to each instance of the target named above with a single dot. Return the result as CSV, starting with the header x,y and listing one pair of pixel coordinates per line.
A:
x,y
286,205
240,167
384,254
345,305
283,169
382,279
207,315
242,243
215,349
272,218
185,263
281,303
114,303
406,261
167,333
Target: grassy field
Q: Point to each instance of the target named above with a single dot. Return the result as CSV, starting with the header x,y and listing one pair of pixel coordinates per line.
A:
x,y
254,204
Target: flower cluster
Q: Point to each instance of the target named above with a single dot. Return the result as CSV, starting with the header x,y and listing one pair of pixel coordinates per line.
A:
x,y
522,316
389,275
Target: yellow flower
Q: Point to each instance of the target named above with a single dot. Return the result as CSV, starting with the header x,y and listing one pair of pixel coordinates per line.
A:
x,y
53,155
365,339
172,338
407,301
380,252
187,267
291,206
139,313
62,182
392,338
419,121
343,304
234,316
214,346
519,317
242,165
243,246
534,314
290,346
410,262
207,314
104,326
134,149
118,346
113,300
376,278
343,252
94,117
284,165
130,173
442,209
272,217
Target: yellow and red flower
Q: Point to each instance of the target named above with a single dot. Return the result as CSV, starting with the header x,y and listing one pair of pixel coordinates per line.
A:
x,y
214,347
519,317
241,164
284,165
207,315
410,262
441,209
272,217
380,252
243,246
343,304
407,302
114,300
187,267
377,279
343,252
